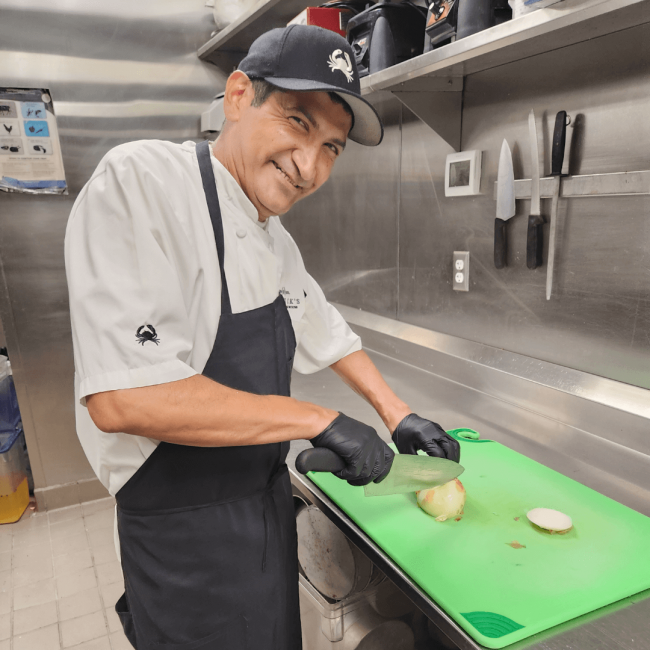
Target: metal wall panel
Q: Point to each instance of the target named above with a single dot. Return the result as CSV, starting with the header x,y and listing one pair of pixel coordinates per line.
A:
x,y
117,72
598,319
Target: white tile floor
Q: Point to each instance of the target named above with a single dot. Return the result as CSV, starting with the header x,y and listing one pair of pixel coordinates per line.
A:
x,y
60,580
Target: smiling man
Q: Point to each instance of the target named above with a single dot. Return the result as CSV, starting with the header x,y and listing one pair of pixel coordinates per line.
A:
x,y
190,306
284,151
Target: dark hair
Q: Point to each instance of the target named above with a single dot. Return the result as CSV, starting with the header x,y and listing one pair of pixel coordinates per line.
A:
x,y
263,90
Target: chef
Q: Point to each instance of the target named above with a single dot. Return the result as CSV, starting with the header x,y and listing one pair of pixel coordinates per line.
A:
x,y
190,305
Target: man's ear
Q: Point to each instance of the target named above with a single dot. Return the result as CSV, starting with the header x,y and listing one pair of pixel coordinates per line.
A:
x,y
238,95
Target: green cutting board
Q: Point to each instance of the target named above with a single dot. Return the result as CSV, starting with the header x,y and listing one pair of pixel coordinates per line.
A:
x,y
499,594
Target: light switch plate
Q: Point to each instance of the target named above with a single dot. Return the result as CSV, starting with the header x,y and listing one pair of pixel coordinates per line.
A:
x,y
460,271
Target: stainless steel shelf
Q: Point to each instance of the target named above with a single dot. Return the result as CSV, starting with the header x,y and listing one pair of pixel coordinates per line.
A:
x,y
431,84
229,46
563,24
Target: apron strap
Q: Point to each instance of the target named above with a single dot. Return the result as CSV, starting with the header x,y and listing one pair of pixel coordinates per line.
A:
x,y
212,198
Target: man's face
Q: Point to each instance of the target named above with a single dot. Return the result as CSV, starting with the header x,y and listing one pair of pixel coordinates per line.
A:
x,y
286,148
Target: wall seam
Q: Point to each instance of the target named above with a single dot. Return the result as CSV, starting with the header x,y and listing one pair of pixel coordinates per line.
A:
x,y
462,107
399,210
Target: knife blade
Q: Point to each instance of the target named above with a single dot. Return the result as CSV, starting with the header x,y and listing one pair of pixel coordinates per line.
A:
x,y
557,158
505,205
408,473
535,236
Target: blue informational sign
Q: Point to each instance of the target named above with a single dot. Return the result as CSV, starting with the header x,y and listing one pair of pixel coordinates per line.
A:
x,y
37,129
33,110
30,153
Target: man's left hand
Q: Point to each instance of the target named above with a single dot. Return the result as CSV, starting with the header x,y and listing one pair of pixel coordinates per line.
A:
x,y
414,433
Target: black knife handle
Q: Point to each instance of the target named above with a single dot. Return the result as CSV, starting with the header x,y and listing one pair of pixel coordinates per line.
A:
x,y
534,241
319,459
559,140
500,243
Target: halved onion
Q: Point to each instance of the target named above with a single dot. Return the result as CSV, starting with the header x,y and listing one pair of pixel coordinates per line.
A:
x,y
444,501
552,521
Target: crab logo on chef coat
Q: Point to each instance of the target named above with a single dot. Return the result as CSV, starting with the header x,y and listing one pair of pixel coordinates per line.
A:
x,y
146,333
338,62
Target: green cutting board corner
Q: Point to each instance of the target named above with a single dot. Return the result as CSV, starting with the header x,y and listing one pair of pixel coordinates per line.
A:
x,y
496,591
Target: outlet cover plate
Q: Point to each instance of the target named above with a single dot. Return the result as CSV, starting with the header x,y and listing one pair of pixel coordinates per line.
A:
x,y
460,271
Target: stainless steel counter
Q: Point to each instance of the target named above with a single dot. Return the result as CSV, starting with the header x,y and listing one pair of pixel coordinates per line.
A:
x,y
624,625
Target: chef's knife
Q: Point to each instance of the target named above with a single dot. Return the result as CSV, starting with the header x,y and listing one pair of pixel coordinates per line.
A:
x,y
557,158
505,205
534,240
407,474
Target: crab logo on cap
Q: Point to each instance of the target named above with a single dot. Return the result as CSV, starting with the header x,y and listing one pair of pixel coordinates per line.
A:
x,y
337,62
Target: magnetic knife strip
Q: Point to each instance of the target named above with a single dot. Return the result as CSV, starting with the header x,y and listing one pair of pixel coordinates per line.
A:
x,y
614,184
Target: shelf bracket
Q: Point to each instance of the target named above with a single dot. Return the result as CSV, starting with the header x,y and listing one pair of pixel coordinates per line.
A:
x,y
438,102
226,61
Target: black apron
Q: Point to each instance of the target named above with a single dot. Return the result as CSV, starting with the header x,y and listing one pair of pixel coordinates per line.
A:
x,y
208,535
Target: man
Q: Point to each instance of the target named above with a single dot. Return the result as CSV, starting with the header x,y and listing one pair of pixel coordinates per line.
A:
x,y
178,265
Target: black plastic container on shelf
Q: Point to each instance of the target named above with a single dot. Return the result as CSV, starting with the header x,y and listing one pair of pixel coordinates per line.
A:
x,y
386,34
442,19
449,20
350,8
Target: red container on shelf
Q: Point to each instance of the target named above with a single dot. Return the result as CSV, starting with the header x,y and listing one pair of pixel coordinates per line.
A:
x,y
335,19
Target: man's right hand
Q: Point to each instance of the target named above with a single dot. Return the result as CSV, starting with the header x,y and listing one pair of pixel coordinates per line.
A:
x,y
367,457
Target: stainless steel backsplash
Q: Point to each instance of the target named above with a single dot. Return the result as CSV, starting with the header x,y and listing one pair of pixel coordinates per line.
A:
x,y
381,234
117,71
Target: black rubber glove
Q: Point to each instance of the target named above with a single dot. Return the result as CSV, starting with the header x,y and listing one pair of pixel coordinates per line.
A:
x,y
367,457
414,433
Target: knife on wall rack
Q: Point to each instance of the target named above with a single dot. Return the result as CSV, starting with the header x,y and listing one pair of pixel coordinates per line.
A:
x,y
535,236
557,158
505,205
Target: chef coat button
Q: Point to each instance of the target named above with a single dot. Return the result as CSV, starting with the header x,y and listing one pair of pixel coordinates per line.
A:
x,y
241,233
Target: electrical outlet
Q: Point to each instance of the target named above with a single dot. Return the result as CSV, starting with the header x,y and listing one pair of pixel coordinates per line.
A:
x,y
460,271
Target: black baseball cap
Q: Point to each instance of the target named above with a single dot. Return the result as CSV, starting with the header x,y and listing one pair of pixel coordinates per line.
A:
x,y
310,58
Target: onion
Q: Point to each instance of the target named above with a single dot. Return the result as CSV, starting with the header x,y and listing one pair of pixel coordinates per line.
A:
x,y
551,521
444,501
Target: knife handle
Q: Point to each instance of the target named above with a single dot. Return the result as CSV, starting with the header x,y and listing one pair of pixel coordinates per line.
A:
x,y
319,459
559,140
534,241
500,243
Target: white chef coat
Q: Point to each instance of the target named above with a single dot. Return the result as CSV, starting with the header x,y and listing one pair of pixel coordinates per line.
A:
x,y
140,251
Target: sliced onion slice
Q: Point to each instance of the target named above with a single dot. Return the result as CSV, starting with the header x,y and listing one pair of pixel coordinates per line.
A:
x,y
550,520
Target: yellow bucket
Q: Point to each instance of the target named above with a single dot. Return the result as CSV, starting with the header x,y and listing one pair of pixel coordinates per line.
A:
x,y
13,504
